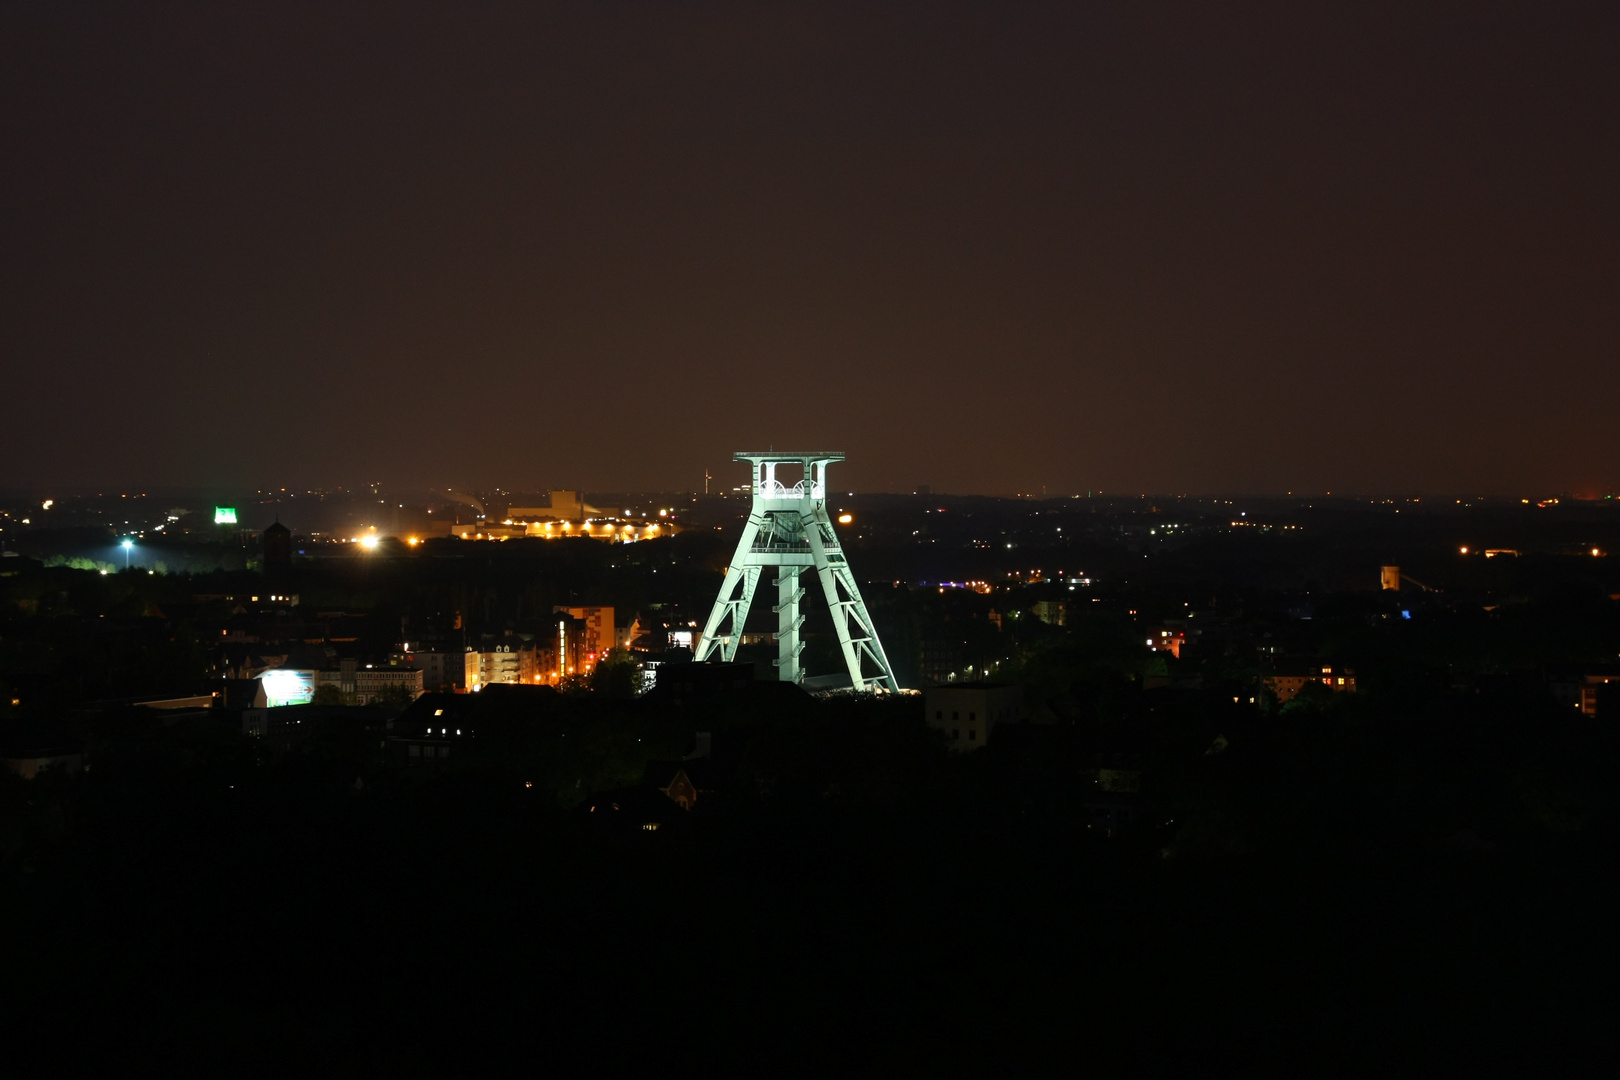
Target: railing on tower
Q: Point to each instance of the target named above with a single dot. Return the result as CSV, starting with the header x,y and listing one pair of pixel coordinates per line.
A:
x,y
775,489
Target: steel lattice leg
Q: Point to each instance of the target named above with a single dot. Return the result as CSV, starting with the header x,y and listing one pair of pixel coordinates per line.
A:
x,y
788,621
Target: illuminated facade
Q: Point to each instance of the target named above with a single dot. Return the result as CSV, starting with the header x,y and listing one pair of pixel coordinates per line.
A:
x,y
596,631
562,647
443,669
508,659
563,506
1170,641
1590,693
566,517
614,531
361,685
371,683
788,529
1052,612
572,643
1286,685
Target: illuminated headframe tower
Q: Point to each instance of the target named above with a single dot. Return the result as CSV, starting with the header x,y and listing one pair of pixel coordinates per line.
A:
x,y
788,529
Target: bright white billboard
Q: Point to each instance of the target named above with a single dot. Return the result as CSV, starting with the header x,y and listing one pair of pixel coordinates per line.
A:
x,y
283,686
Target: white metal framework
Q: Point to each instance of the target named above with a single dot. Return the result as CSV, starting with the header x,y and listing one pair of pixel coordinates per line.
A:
x,y
788,528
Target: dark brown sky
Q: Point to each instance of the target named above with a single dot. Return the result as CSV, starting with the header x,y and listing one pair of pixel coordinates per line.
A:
x,y
1116,246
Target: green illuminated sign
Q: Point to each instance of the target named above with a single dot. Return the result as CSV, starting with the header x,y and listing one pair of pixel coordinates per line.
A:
x,y
224,515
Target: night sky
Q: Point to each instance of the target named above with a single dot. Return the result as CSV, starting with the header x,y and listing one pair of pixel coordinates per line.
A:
x,y
990,248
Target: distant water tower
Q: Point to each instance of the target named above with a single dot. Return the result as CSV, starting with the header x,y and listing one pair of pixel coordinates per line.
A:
x,y
277,546
1390,577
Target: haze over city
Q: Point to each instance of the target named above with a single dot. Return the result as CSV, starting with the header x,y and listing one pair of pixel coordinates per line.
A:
x,y
988,248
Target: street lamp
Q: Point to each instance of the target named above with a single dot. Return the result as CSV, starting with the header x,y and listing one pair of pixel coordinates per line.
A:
x,y
127,545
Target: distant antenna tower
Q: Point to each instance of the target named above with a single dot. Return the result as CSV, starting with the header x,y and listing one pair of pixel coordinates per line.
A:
x,y
706,479
788,528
